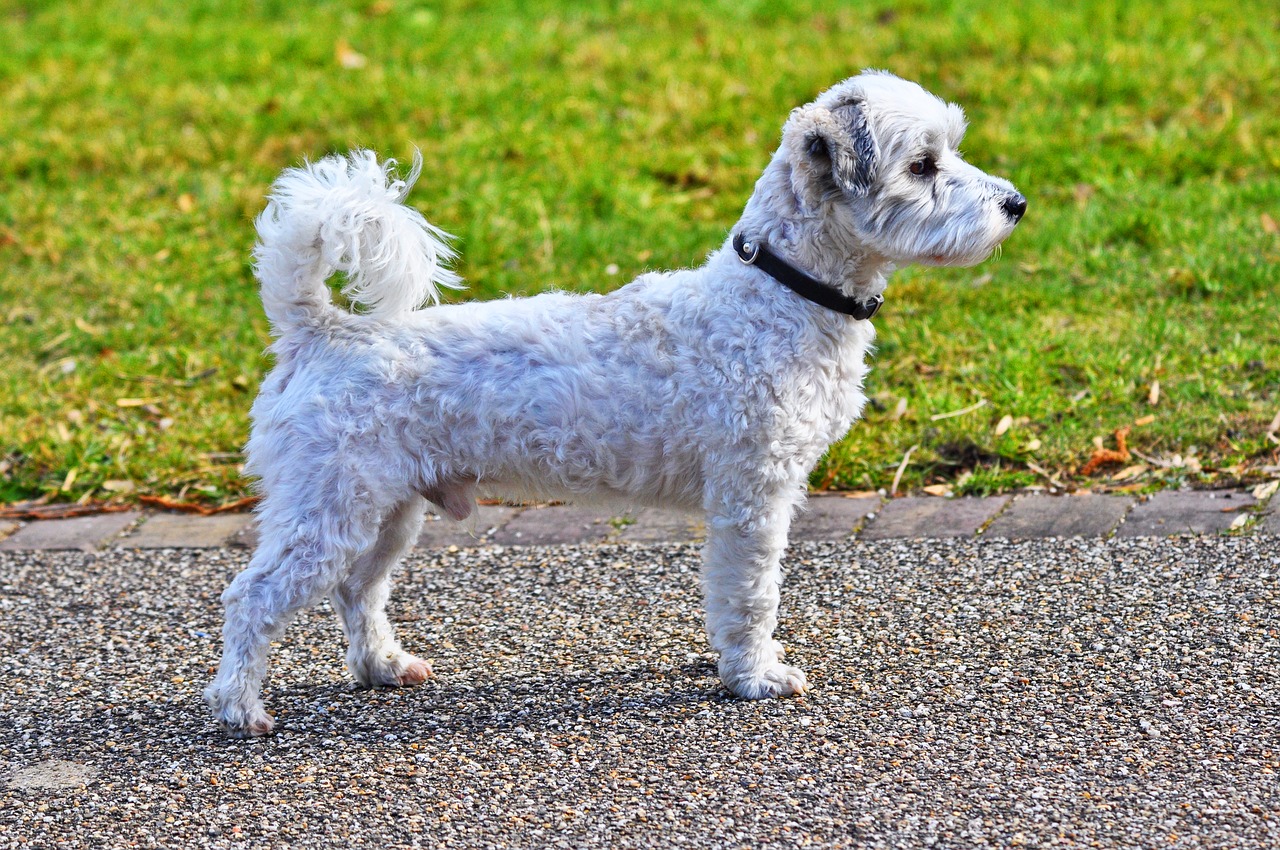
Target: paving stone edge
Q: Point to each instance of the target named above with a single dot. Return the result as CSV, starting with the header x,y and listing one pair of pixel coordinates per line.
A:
x,y
826,517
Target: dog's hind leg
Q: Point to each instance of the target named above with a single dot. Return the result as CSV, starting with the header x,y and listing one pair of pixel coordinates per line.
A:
x,y
374,656
741,582
296,564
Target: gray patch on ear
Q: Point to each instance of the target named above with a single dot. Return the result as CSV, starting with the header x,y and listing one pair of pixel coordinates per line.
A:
x,y
854,164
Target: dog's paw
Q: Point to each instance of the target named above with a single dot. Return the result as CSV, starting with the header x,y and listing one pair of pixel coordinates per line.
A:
x,y
767,681
415,672
239,719
389,669
254,725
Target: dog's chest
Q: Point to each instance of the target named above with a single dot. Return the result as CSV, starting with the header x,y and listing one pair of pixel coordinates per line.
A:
x,y
795,385
826,394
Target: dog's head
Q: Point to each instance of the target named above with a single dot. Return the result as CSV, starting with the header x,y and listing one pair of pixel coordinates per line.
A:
x,y
881,155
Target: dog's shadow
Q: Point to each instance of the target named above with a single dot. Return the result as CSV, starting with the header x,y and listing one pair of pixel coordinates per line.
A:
x,y
460,709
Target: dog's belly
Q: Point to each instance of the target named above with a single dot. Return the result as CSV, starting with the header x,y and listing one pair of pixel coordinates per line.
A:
x,y
526,458
590,493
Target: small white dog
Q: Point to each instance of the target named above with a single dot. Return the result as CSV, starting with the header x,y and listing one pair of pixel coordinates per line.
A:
x,y
715,388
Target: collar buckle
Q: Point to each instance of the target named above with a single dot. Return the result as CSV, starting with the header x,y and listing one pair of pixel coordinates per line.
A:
x,y
873,306
747,251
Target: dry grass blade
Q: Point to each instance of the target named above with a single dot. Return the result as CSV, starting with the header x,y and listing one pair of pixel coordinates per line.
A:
x,y
902,467
970,409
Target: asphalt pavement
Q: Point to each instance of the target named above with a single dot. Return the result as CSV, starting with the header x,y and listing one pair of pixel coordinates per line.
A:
x,y
976,691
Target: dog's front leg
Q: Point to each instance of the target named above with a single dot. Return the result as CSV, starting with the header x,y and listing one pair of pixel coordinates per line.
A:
x,y
741,583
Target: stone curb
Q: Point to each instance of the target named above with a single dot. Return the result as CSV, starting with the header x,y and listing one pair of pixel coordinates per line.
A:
x,y
825,517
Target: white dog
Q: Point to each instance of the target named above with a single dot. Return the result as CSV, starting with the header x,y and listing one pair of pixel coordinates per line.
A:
x,y
716,388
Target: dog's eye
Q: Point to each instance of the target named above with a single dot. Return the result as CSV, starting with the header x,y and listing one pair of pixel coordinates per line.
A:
x,y
923,167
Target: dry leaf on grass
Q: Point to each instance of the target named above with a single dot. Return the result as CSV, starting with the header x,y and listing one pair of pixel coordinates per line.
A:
x,y
828,479
197,508
347,56
1046,475
29,510
1102,457
1130,472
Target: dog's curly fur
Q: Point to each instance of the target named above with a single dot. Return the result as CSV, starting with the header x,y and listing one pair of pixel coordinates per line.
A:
x,y
713,388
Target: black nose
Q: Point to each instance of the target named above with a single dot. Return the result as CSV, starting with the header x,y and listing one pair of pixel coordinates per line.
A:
x,y
1015,206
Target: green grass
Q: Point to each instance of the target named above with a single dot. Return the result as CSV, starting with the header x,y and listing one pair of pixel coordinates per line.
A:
x,y
564,139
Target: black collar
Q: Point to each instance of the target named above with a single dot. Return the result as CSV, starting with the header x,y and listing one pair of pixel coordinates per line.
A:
x,y
756,254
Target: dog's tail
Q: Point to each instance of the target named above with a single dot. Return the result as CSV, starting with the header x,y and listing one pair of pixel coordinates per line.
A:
x,y
346,214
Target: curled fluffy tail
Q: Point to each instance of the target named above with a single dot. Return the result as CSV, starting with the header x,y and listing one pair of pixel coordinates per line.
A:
x,y
346,213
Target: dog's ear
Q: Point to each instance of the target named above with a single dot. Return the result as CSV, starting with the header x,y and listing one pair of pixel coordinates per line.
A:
x,y
831,150
855,157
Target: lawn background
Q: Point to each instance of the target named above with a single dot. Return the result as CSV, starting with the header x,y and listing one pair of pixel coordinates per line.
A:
x,y
574,145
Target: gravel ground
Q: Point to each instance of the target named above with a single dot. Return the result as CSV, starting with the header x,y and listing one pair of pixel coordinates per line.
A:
x,y
966,694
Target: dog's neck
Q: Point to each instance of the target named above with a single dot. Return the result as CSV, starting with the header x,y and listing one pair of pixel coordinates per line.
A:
x,y
818,241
